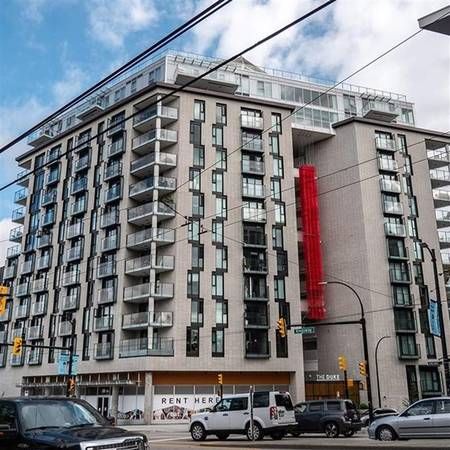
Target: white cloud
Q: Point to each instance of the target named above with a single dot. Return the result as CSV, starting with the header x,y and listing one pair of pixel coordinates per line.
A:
x,y
32,10
73,81
112,20
5,227
336,41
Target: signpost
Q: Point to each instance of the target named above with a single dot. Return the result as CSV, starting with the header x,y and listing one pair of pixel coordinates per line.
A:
x,y
63,364
303,329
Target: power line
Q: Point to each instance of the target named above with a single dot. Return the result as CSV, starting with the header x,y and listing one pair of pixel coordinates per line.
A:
x,y
174,34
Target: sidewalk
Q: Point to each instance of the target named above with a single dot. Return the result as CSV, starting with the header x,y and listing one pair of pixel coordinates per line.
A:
x,y
159,428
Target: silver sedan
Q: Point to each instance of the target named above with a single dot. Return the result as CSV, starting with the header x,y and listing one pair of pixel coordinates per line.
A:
x,y
424,419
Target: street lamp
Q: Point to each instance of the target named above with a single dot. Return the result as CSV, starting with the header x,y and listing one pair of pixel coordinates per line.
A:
x,y
445,360
362,321
376,368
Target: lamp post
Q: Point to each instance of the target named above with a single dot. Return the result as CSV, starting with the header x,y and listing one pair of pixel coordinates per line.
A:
x,y
445,360
362,321
376,368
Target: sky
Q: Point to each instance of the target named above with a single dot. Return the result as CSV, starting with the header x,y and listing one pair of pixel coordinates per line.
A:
x,y
51,50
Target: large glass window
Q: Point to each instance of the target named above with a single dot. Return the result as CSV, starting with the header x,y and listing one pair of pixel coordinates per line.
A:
x,y
195,134
217,182
217,135
221,114
222,258
194,179
192,341
217,232
221,159
222,312
197,312
197,257
218,344
217,284
199,110
199,157
193,284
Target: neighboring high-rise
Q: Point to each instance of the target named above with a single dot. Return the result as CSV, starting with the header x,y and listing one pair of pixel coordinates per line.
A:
x,y
174,242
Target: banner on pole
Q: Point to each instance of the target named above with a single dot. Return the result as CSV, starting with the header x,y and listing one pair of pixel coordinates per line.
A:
x,y
433,318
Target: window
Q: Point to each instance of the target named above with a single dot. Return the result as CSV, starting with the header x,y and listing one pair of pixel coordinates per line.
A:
x,y
260,400
198,201
407,346
402,296
221,207
284,400
421,408
194,230
221,114
408,165
222,258
282,263
280,216
217,182
192,341
217,232
274,143
275,188
223,405
315,407
199,110
396,248
278,166
279,287
239,404
429,380
407,116
193,284
217,284
217,338
199,157
277,237
217,136
195,133
430,346
197,257
221,159
222,312
197,312
333,406
194,179
7,416
442,406
349,105
276,123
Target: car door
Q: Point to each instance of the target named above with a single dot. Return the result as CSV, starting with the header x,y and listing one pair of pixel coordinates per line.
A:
x,y
417,420
311,419
441,418
9,433
239,413
219,417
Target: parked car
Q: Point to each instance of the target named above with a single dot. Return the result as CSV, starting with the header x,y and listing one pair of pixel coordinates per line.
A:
x,y
273,413
377,413
424,419
55,423
332,417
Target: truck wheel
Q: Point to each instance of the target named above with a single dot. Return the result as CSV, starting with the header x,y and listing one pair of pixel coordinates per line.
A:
x,y
222,436
295,433
349,433
257,432
198,432
277,435
331,430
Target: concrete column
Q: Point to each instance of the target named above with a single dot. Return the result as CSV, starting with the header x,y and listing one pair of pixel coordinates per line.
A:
x,y
115,401
297,386
148,398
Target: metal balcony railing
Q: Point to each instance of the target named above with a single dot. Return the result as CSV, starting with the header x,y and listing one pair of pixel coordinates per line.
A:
x,y
70,302
71,277
48,197
15,235
109,219
394,229
103,323
39,308
82,163
110,243
75,230
146,347
252,214
40,285
113,193
74,253
116,148
43,262
252,122
107,295
104,350
22,311
78,185
22,289
384,143
44,240
78,207
10,272
106,269
112,170
35,332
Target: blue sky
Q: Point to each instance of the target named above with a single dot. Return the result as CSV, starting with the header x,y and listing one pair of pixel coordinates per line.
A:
x,y
53,49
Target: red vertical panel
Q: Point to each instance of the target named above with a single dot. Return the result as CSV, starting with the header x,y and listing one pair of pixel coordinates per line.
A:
x,y
309,211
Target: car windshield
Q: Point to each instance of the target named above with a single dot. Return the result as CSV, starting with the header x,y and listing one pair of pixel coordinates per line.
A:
x,y
56,414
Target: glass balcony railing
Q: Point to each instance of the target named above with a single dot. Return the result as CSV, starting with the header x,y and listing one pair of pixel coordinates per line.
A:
x,y
116,126
116,148
18,215
70,302
150,183
71,277
48,197
110,243
161,209
65,328
140,264
20,196
113,193
399,276
78,207
27,267
40,285
440,175
144,238
83,141
15,235
109,218
164,159
44,240
145,142
48,218
253,190
10,272
53,155
252,122
107,295
43,262
392,207
22,311
443,216
75,230
39,308
82,163
395,229
439,155
104,350
444,237
35,355
103,323
386,164
254,264
22,289
152,112
252,214
257,318
384,143
157,290
12,252
74,253
35,332
52,177
135,320
252,143
113,170
40,136
79,185
390,186
441,195
146,347
106,269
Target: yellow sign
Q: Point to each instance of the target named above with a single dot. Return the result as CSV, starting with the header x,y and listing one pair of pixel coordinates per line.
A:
x,y
2,305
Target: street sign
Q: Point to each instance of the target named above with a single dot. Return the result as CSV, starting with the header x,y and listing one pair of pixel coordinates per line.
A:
x,y
304,330
63,364
433,318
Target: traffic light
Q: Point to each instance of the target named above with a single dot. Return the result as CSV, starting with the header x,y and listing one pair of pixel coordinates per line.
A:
x,y
281,326
71,387
220,378
342,362
17,346
362,369
2,305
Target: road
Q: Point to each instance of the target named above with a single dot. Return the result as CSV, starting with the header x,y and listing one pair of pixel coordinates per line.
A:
x,y
168,437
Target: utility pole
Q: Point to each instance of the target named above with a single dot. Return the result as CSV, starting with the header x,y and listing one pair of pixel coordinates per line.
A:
x,y
376,368
251,414
346,384
70,381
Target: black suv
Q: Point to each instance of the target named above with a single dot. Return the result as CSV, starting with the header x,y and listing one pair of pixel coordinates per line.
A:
x,y
332,417
51,423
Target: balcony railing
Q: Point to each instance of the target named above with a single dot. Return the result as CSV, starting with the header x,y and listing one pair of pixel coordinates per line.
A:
x,y
441,195
116,148
78,185
148,184
22,311
12,252
399,276
107,295
18,215
408,351
137,320
253,190
39,137
104,350
75,230
252,143
70,302
138,265
143,238
17,360
10,272
145,143
142,291
52,177
22,289
3,336
146,161
115,127
254,265
71,277
35,356
146,347
394,229
40,285
74,253
113,193
83,141
15,235
35,332
20,196
252,214
109,218
43,262
139,214
48,197
82,163
256,319
149,114
384,143
39,308
6,316
23,178
392,207
48,218
389,165
252,122
44,240
444,236
65,328
103,323
390,186
440,175
78,207
113,170
110,243
106,269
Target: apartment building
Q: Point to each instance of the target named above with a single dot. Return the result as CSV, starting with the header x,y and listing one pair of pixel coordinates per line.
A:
x,y
174,275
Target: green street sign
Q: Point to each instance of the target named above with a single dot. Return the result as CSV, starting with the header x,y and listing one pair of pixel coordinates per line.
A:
x,y
304,330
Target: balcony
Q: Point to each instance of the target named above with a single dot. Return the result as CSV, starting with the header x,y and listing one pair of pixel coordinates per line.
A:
x,y
141,292
386,144
394,229
405,321
138,267
377,110
74,253
112,170
387,165
391,186
18,215
252,143
444,239
65,328
13,251
43,262
145,120
257,318
135,321
7,315
392,207
83,142
144,165
115,127
22,290
3,336
53,155
253,190
163,263
15,235
256,293
40,137
44,240
145,347
20,196
107,295
35,332
441,198
116,148
82,164
71,277
23,178
40,285
39,308
113,193
106,269
10,272
18,332
251,214
110,243
48,197
142,215
257,344
35,356
70,302
17,360
78,207
22,311
90,109
408,350
438,158
254,265
256,123
141,240
78,185
143,190
109,219
439,178
103,351
145,143
445,257
75,230
48,218
400,276
52,177
103,323
253,167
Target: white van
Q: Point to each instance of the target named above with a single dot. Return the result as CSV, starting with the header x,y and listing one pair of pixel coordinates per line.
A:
x,y
273,413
